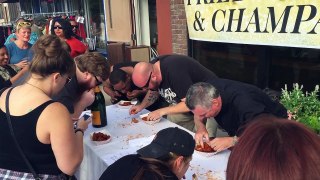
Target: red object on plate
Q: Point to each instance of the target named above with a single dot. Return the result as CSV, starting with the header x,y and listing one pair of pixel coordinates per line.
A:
x,y
205,148
99,136
125,104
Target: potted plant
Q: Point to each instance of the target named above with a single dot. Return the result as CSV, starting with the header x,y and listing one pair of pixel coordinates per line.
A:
x,y
302,107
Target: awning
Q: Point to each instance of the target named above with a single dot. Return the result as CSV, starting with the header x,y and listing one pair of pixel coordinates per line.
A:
x,y
9,1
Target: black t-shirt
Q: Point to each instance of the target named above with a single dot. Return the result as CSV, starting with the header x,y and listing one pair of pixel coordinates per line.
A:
x,y
7,83
127,167
69,94
178,74
241,103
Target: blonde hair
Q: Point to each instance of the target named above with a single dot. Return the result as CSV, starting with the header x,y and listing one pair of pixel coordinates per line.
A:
x,y
23,25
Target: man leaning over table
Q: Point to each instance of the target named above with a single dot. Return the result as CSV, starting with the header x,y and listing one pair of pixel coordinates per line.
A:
x,y
233,105
123,83
91,69
170,76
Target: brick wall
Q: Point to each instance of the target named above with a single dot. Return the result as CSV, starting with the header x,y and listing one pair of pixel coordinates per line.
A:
x,y
179,27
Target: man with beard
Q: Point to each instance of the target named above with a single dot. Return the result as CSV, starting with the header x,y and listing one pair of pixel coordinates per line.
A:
x,y
92,69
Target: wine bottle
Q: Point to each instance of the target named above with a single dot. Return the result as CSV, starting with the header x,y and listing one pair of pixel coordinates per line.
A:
x,y
98,109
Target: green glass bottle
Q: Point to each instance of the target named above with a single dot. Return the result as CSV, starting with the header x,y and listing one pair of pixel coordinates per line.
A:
x,y
98,109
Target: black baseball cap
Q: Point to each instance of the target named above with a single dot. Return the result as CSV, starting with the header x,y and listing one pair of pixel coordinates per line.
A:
x,y
168,140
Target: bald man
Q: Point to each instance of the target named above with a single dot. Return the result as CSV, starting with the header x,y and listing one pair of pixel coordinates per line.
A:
x,y
170,76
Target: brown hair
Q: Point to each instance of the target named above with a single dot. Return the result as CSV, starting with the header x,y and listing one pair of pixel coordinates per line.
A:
x,y
50,56
274,148
94,63
157,165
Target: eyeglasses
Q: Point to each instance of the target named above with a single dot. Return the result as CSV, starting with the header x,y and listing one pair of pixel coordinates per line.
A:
x,y
97,80
24,24
57,27
74,26
68,80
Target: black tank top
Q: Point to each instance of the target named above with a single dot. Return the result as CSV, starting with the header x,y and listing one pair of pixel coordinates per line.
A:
x,y
40,155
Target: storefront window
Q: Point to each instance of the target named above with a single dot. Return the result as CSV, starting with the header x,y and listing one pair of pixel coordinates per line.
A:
x,y
96,27
51,7
264,66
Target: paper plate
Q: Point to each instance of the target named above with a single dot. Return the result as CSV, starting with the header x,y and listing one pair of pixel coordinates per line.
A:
x,y
205,154
126,104
100,142
143,116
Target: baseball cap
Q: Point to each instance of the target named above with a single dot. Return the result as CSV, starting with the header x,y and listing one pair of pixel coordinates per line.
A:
x,y
168,140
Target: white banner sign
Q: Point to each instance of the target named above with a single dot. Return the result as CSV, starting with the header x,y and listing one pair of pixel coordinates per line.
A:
x,y
294,23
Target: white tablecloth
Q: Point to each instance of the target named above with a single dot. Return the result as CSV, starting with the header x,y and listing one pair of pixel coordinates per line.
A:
x,y
127,137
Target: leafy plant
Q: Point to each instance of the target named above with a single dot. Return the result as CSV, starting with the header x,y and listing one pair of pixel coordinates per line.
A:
x,y
304,107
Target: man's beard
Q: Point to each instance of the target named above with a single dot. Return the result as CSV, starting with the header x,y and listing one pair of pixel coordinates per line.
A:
x,y
83,87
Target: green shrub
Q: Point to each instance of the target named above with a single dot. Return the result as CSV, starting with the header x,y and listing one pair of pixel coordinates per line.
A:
x,y
304,107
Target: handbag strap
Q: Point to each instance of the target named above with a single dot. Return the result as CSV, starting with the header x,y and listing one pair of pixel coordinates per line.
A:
x,y
35,175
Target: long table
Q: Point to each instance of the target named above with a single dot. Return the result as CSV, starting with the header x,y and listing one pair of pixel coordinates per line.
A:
x,y
127,137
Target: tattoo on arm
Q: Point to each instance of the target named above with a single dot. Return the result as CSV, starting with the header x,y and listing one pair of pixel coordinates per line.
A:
x,y
153,96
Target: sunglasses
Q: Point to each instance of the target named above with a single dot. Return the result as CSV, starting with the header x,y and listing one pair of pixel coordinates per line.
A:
x,y
57,27
24,24
148,82
97,80
74,26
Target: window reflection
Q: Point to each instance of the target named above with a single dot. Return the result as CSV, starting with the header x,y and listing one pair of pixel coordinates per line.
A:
x,y
264,66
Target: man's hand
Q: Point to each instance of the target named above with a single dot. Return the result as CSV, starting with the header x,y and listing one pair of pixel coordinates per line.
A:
x,y
135,109
154,115
133,94
221,143
201,135
114,97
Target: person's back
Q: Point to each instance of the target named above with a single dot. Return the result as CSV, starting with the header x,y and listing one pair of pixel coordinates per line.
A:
x,y
241,103
272,148
128,167
42,127
178,74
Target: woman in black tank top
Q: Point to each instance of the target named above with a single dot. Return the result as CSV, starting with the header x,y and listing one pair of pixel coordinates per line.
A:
x,y
42,127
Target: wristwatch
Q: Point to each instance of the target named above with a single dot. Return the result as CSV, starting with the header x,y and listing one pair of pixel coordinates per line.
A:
x,y
234,140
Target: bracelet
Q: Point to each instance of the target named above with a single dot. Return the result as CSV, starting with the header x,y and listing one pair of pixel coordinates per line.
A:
x,y
78,129
234,140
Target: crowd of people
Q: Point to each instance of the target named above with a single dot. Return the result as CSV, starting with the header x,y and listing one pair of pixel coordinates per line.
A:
x,y
61,74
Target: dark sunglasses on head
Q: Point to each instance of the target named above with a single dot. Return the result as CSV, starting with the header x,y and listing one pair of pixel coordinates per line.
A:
x,y
74,26
57,27
97,81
